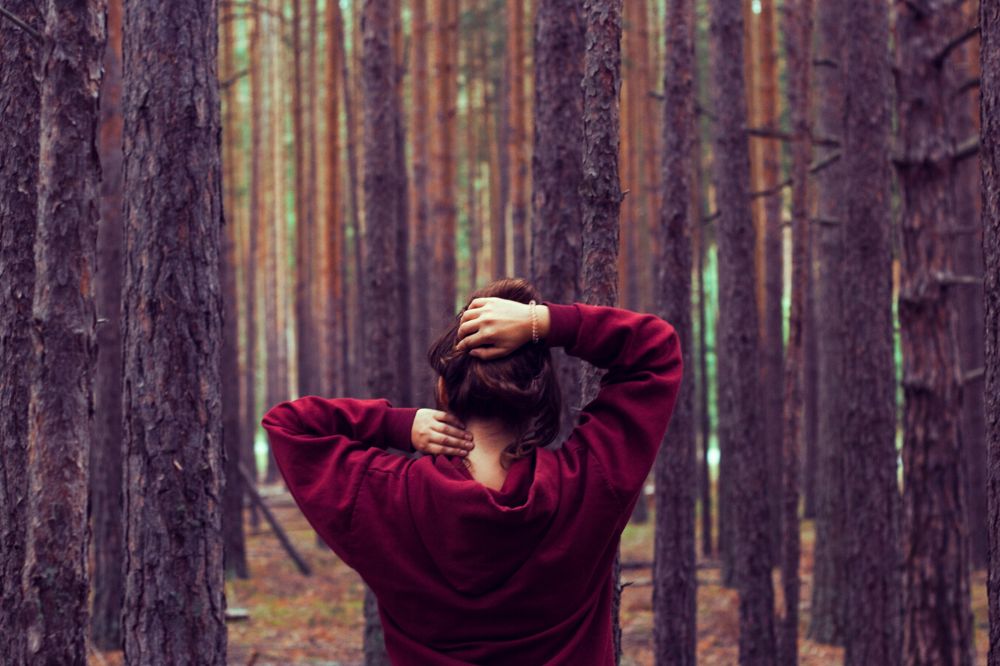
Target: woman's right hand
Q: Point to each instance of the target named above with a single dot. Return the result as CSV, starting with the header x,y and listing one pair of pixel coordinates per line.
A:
x,y
493,327
438,432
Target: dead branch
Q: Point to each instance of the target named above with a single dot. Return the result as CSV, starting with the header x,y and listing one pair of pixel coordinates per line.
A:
x,y
37,36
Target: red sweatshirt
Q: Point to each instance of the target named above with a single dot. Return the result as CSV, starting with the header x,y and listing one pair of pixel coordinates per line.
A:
x,y
468,575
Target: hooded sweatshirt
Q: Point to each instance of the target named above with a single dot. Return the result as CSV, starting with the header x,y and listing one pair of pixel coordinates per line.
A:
x,y
465,574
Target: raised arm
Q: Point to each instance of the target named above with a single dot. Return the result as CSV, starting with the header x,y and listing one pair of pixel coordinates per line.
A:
x,y
622,427
323,447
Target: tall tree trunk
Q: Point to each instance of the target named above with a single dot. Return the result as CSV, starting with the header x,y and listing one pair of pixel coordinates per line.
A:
x,y
401,271
60,409
869,415
382,189
419,206
19,97
773,339
740,424
172,331
517,144
600,190
105,448
356,324
674,574
989,119
335,381
443,212
937,623
234,555
557,171
827,617
797,29
968,249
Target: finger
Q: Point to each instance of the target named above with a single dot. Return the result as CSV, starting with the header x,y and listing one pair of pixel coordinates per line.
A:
x,y
438,449
457,433
449,441
488,353
478,302
467,328
448,417
476,339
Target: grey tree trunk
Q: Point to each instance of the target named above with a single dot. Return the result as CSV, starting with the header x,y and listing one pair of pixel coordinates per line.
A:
x,y
19,97
827,617
989,118
937,623
63,337
740,421
674,572
557,172
106,448
869,414
382,191
172,336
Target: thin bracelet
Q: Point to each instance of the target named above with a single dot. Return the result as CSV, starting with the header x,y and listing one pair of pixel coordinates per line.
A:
x,y
534,321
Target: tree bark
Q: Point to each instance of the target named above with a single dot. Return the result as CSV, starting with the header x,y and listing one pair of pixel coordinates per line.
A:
x,y
517,144
773,340
443,212
234,554
797,28
740,424
60,404
382,189
674,573
105,449
172,330
600,191
556,166
20,99
937,623
828,609
336,344
989,119
869,417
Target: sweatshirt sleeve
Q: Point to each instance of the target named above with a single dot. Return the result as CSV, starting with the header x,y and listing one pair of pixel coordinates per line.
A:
x,y
623,426
323,446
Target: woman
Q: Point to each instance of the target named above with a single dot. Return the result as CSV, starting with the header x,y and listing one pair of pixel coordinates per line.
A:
x,y
492,549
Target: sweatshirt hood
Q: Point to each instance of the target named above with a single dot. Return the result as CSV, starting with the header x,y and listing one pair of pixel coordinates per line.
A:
x,y
479,537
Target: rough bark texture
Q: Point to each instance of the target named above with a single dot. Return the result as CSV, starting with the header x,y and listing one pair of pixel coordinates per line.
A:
x,y
234,551
937,623
740,423
105,450
869,416
827,616
797,29
443,212
420,203
172,332
674,573
600,191
382,189
517,144
989,119
772,357
968,249
333,328
60,404
19,101
557,172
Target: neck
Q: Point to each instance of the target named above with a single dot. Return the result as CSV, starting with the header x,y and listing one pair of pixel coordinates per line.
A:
x,y
490,437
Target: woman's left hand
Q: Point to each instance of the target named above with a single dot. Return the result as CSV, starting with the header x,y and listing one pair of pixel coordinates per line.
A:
x,y
438,432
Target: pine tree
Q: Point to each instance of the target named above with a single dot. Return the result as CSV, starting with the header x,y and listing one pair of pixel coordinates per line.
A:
x,y
172,333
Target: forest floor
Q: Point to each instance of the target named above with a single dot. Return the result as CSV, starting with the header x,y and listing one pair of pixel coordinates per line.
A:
x,y
317,620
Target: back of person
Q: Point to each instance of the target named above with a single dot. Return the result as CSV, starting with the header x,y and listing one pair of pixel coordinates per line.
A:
x,y
470,574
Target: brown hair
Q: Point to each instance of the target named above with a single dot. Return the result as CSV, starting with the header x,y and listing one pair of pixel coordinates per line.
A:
x,y
520,388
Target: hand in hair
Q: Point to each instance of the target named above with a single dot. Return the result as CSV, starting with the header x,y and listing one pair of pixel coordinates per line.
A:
x,y
493,327
439,433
